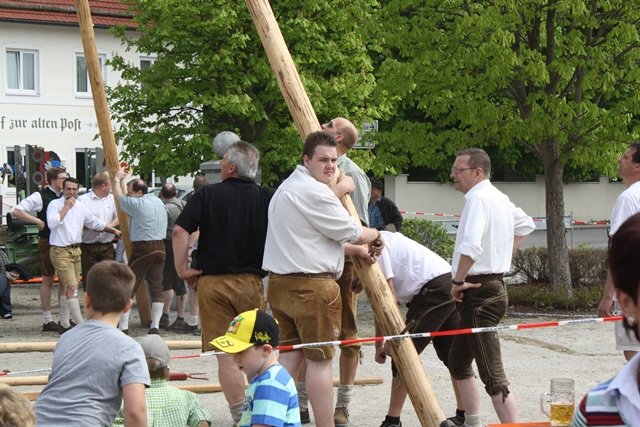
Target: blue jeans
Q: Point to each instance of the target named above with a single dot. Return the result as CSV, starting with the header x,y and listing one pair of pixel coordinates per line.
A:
x,y
5,295
481,307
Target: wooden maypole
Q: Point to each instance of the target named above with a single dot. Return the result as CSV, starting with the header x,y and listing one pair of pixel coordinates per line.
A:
x,y
106,133
382,301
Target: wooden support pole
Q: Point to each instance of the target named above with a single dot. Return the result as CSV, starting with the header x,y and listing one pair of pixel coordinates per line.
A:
x,y
106,133
382,301
48,346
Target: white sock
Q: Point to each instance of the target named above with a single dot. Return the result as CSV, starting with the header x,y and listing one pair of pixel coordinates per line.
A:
x,y
191,320
472,420
345,391
64,312
236,411
124,320
156,314
303,400
46,317
74,308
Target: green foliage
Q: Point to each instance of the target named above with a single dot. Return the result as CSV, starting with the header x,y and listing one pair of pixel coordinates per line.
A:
x,y
588,266
430,234
211,74
545,297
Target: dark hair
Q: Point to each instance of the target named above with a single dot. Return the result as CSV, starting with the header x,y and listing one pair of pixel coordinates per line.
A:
x,y
376,183
636,152
110,286
199,181
623,261
478,158
314,139
138,185
71,180
99,179
155,372
52,173
168,191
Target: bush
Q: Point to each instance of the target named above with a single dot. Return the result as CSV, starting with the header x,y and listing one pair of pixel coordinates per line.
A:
x,y
587,265
543,297
430,234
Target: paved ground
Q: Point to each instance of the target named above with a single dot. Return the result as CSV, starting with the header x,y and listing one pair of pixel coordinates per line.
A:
x,y
532,357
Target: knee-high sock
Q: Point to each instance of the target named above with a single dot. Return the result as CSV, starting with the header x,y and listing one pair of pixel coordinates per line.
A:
x,y
124,320
156,314
344,395
74,308
303,400
64,312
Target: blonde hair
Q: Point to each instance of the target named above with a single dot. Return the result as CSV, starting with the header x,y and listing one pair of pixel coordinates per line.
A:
x,y
15,409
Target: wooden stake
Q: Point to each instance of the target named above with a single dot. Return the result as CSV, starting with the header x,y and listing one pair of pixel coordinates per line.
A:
x,y
106,134
382,301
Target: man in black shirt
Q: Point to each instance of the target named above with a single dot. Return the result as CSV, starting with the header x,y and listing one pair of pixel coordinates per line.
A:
x,y
232,218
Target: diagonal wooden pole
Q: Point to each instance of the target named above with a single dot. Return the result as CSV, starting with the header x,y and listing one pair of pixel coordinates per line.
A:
x,y
106,133
382,301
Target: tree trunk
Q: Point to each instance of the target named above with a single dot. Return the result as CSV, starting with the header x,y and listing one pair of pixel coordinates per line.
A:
x,y
559,273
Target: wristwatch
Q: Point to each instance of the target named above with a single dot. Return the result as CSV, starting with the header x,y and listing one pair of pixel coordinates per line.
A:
x,y
457,282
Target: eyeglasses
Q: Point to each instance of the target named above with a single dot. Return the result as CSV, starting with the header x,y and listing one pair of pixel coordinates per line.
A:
x,y
456,171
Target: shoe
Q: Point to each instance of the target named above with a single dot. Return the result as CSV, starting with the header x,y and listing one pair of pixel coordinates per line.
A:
x,y
164,321
341,417
454,421
154,331
386,423
50,327
305,418
7,316
62,329
197,332
182,327
125,331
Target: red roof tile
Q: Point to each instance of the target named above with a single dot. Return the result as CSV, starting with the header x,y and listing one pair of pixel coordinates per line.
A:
x,y
104,13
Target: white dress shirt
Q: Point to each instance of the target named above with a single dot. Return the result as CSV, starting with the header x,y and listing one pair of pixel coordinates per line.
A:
x,y
69,230
103,209
487,226
627,204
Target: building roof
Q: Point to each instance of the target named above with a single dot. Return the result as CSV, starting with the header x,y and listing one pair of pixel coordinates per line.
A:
x,y
104,13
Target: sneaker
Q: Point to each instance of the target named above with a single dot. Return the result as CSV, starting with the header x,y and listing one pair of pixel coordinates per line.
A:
x,y
386,423
7,316
305,418
341,417
182,327
455,421
50,327
164,321
154,331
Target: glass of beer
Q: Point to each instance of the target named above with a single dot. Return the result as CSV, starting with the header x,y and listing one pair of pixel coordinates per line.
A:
x,y
560,401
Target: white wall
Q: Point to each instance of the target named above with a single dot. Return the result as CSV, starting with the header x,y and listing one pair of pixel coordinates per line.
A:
x,y
586,201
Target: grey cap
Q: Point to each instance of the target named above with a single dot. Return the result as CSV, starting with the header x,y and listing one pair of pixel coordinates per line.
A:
x,y
155,348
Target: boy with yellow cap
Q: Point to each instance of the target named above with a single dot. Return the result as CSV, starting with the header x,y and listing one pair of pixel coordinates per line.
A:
x,y
271,398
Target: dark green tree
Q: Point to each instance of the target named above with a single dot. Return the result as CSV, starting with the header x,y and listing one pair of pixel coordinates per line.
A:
x,y
210,73
555,80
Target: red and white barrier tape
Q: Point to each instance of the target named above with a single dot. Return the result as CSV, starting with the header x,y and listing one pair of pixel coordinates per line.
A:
x,y
463,331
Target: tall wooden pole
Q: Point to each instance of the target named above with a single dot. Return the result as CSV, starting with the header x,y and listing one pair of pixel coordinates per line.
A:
x,y
106,132
382,301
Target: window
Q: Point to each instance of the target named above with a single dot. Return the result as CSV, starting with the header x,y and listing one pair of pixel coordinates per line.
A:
x,y
22,71
146,62
83,87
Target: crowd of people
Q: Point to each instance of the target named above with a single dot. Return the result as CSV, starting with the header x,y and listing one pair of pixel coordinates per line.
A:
x,y
301,238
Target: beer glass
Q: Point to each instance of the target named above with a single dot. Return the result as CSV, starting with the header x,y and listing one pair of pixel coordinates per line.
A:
x,y
560,400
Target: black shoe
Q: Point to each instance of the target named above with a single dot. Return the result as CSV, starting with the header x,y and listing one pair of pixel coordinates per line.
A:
x,y
50,327
125,331
456,421
386,423
305,418
154,331
62,329
164,321
182,327
7,316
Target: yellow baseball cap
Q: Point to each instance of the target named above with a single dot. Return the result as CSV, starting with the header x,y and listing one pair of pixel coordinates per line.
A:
x,y
247,329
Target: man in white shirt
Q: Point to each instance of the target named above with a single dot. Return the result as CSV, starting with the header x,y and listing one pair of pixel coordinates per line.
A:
x,y
98,246
33,210
304,255
627,205
66,218
491,228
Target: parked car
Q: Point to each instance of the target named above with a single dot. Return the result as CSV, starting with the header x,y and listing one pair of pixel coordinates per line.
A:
x,y
184,192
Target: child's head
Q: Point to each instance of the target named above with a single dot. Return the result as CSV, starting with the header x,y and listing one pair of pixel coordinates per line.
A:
x,y
15,409
157,353
109,285
251,337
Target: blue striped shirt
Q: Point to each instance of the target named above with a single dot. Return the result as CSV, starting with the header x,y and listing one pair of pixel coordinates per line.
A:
x,y
271,399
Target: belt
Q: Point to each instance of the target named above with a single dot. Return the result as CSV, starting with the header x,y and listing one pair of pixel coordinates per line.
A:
x,y
328,276
147,242
74,246
478,278
97,244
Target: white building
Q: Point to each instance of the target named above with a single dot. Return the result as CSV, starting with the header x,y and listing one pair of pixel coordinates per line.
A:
x,y
46,96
